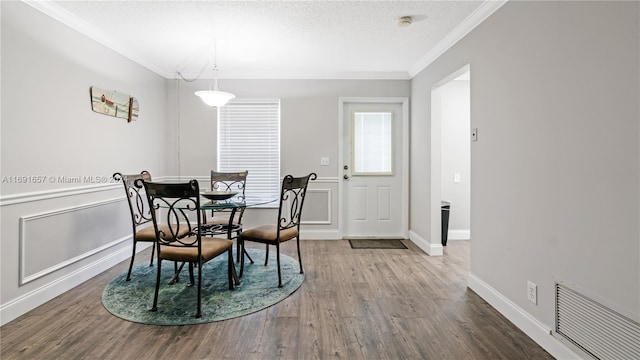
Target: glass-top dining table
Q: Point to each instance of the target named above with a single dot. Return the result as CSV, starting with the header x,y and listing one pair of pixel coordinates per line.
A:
x,y
232,205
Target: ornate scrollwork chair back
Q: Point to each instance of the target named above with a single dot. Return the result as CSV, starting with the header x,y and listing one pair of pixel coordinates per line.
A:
x,y
140,212
292,195
229,181
220,221
176,212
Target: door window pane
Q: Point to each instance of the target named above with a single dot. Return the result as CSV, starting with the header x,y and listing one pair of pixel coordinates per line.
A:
x,y
371,142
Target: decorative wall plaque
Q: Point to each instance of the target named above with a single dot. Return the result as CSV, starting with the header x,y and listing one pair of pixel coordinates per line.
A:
x,y
113,103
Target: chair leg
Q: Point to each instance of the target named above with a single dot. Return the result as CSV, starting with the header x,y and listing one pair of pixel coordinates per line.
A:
x,y
133,257
199,309
155,296
153,251
299,256
266,255
230,268
278,260
191,273
241,242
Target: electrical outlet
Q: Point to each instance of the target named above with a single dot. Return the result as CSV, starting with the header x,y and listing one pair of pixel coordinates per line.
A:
x,y
324,161
532,292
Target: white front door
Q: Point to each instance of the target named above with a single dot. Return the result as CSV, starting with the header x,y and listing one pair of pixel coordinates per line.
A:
x,y
372,143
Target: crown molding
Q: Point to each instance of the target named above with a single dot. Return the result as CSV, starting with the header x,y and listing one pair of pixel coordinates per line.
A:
x,y
303,75
60,14
471,22
474,19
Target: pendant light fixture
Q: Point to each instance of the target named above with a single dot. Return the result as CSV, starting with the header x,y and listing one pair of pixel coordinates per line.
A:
x,y
215,97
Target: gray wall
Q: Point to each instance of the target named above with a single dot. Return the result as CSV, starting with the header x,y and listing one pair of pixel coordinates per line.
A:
x,y
309,131
555,173
56,233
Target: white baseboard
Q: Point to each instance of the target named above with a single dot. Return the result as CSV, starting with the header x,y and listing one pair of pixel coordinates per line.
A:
x,y
538,332
319,234
429,248
459,234
39,296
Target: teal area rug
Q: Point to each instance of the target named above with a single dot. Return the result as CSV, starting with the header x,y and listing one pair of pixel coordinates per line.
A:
x,y
258,289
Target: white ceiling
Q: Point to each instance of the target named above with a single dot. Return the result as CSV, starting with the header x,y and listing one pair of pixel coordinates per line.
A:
x,y
275,39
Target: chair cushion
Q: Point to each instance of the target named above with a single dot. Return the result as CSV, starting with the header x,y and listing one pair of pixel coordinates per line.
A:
x,y
269,233
149,233
211,247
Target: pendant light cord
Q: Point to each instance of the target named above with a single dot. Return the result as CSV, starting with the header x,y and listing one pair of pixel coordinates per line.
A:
x,y
215,65
197,77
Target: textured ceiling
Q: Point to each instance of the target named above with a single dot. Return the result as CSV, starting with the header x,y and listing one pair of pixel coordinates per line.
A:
x,y
271,39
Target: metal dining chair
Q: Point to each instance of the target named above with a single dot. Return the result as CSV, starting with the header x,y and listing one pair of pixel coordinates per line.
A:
x,y
287,227
140,213
140,210
180,204
220,222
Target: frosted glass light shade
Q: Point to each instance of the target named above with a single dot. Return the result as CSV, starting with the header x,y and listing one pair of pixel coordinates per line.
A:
x,y
215,98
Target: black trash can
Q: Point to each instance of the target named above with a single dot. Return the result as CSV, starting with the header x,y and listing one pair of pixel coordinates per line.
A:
x,y
445,207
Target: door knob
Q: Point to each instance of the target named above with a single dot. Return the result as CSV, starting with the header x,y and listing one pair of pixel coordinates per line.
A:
x,y
346,176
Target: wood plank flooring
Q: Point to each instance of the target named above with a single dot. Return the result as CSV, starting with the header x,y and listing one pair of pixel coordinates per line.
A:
x,y
353,304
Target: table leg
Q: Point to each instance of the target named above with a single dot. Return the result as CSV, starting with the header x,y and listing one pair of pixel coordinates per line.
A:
x,y
247,254
176,274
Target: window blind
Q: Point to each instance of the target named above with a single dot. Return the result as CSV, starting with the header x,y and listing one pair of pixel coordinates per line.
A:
x,y
372,143
249,139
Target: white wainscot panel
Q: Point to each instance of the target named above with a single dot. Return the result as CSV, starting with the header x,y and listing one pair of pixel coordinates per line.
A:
x,y
317,207
55,239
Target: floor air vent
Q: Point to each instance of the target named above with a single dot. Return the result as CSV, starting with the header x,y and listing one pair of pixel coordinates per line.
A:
x,y
594,328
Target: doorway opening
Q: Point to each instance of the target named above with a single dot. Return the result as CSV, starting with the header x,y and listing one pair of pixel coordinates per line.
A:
x,y
451,158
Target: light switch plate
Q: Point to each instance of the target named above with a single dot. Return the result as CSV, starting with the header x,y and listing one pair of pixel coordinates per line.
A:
x,y
474,134
532,292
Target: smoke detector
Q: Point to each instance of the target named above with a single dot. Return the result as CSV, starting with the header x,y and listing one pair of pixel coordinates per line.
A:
x,y
405,21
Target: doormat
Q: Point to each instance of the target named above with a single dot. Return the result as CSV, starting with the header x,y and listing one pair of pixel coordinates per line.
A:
x,y
376,244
